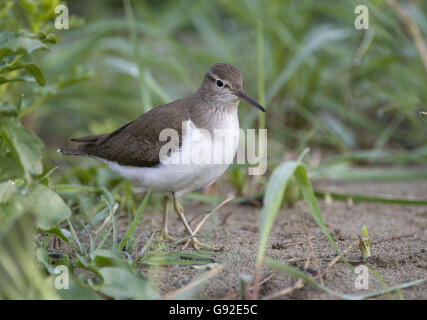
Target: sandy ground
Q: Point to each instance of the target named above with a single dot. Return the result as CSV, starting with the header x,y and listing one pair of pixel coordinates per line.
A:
x,y
398,233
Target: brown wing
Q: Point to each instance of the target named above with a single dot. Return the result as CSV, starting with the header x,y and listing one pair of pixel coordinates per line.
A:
x,y
137,142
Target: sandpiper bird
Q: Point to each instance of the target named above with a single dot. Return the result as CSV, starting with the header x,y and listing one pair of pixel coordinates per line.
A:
x,y
135,149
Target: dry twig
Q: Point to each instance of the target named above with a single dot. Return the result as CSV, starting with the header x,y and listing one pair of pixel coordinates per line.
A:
x,y
206,218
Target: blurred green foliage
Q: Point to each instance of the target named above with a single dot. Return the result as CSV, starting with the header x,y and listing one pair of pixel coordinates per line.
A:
x,y
324,82
23,188
26,200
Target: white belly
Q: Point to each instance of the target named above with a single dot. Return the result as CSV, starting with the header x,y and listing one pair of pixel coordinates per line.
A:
x,y
200,161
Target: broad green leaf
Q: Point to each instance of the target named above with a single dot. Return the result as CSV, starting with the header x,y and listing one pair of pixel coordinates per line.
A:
x,y
7,190
77,291
36,72
42,256
9,168
49,208
7,109
13,42
119,281
47,38
24,78
10,210
32,69
106,258
24,145
59,232
23,63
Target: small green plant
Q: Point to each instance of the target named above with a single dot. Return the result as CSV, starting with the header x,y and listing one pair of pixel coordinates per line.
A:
x,y
365,243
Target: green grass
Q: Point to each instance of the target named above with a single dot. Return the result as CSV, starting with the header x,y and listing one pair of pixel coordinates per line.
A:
x,y
313,69
357,96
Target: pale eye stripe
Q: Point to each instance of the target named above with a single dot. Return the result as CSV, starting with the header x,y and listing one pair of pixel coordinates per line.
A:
x,y
214,77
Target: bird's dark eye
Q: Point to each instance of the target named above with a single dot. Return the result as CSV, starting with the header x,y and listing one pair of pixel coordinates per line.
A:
x,y
219,83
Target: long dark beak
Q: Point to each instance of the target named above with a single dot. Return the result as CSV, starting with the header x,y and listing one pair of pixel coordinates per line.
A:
x,y
242,95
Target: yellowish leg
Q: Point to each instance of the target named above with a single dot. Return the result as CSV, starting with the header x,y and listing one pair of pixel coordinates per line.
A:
x,y
180,212
164,232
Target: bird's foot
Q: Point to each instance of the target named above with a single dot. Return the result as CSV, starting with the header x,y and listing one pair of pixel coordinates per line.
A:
x,y
197,245
164,238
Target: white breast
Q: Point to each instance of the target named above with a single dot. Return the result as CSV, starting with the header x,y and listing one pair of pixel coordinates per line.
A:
x,y
181,176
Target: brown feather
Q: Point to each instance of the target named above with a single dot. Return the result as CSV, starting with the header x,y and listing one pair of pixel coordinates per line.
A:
x,y
137,142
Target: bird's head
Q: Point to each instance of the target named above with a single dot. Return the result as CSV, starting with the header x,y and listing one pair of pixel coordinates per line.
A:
x,y
223,85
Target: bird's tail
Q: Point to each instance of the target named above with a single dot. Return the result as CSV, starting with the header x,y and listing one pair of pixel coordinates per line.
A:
x,y
71,152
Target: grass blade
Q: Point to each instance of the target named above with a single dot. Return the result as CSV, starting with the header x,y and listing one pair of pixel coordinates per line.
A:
x,y
344,172
307,191
389,290
272,200
367,198
135,221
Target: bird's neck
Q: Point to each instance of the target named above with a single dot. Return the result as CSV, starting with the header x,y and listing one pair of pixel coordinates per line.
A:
x,y
210,116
